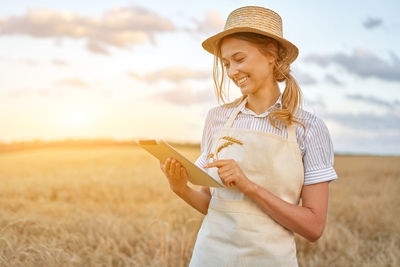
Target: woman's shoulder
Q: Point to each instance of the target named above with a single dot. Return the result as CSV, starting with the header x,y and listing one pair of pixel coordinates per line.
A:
x,y
311,121
218,114
219,110
307,117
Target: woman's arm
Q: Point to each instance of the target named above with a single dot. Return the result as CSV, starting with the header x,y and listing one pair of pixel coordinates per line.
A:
x,y
177,178
197,199
307,220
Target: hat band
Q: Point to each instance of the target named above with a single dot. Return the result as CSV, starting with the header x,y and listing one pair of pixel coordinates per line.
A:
x,y
256,20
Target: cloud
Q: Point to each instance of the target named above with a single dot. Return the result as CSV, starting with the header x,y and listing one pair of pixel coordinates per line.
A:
x,y
303,78
73,82
31,62
118,27
184,96
361,63
365,132
374,101
135,76
18,93
96,48
173,74
371,23
21,61
368,121
59,62
312,104
350,141
213,22
320,60
332,79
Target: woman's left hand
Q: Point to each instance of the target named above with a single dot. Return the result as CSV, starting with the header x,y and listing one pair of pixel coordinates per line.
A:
x,y
231,174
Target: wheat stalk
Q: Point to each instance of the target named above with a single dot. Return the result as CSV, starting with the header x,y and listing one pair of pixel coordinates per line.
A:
x,y
222,147
231,139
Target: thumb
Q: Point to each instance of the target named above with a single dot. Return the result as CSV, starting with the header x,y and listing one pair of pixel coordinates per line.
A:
x,y
184,173
162,166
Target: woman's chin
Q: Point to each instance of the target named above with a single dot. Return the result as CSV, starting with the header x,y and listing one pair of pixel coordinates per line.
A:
x,y
244,90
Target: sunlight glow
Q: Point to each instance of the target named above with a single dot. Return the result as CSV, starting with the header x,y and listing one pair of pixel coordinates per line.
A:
x,y
76,118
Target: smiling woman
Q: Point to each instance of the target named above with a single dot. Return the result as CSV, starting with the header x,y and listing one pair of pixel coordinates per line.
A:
x,y
281,152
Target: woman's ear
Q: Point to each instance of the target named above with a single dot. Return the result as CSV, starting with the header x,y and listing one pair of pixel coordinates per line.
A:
x,y
271,58
272,54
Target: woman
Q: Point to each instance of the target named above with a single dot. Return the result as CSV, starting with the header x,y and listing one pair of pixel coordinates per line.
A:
x,y
266,150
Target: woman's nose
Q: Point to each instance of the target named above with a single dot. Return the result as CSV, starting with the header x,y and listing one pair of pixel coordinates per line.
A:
x,y
232,72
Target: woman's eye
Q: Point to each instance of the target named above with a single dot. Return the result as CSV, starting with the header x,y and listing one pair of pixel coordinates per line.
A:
x,y
240,59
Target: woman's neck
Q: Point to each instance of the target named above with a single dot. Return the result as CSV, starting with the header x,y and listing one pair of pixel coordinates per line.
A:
x,y
264,99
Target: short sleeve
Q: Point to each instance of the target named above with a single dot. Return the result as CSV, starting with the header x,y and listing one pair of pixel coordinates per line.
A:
x,y
205,143
201,161
319,155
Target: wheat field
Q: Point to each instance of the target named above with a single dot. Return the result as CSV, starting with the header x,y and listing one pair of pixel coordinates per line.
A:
x,y
111,206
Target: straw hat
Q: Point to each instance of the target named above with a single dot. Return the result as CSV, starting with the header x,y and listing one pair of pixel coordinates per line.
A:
x,y
253,19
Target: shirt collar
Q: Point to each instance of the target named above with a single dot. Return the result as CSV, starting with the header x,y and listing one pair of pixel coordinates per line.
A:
x,y
247,111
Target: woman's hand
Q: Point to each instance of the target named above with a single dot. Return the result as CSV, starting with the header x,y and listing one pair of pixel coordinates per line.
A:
x,y
176,174
231,174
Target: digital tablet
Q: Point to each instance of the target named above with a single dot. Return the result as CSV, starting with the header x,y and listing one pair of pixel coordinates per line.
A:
x,y
162,150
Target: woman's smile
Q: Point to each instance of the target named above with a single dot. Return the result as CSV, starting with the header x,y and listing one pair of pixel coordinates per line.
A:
x,y
241,81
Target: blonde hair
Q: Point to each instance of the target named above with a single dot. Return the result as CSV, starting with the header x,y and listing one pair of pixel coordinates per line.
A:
x,y
291,97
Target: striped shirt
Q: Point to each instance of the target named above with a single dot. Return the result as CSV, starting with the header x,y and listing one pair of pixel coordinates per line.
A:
x,y
316,148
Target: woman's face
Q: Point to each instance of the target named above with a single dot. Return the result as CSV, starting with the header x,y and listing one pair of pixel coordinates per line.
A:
x,y
246,66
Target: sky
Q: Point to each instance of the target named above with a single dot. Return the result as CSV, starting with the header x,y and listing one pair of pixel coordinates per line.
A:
x,y
127,69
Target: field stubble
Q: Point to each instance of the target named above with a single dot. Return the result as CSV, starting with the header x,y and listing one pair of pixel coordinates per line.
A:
x,y
113,207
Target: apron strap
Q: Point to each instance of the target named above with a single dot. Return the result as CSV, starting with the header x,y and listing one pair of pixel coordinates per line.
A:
x,y
229,123
291,130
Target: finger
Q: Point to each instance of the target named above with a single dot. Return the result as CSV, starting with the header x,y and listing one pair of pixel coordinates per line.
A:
x,y
230,181
216,163
167,165
226,181
178,169
228,178
184,172
227,167
226,174
173,166
162,166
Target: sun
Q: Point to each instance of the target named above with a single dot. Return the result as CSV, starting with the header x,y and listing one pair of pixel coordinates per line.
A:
x,y
76,118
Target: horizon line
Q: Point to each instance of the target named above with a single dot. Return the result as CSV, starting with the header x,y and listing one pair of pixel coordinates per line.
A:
x,y
16,146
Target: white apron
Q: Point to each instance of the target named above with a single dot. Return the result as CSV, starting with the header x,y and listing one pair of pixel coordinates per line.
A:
x,y
235,231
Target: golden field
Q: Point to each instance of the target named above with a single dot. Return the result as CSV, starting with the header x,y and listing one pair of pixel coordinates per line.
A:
x,y
111,206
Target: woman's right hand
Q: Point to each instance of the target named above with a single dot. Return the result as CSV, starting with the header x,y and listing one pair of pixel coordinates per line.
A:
x,y
176,174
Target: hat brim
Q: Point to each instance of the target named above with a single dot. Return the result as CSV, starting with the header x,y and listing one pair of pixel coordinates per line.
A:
x,y
211,43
